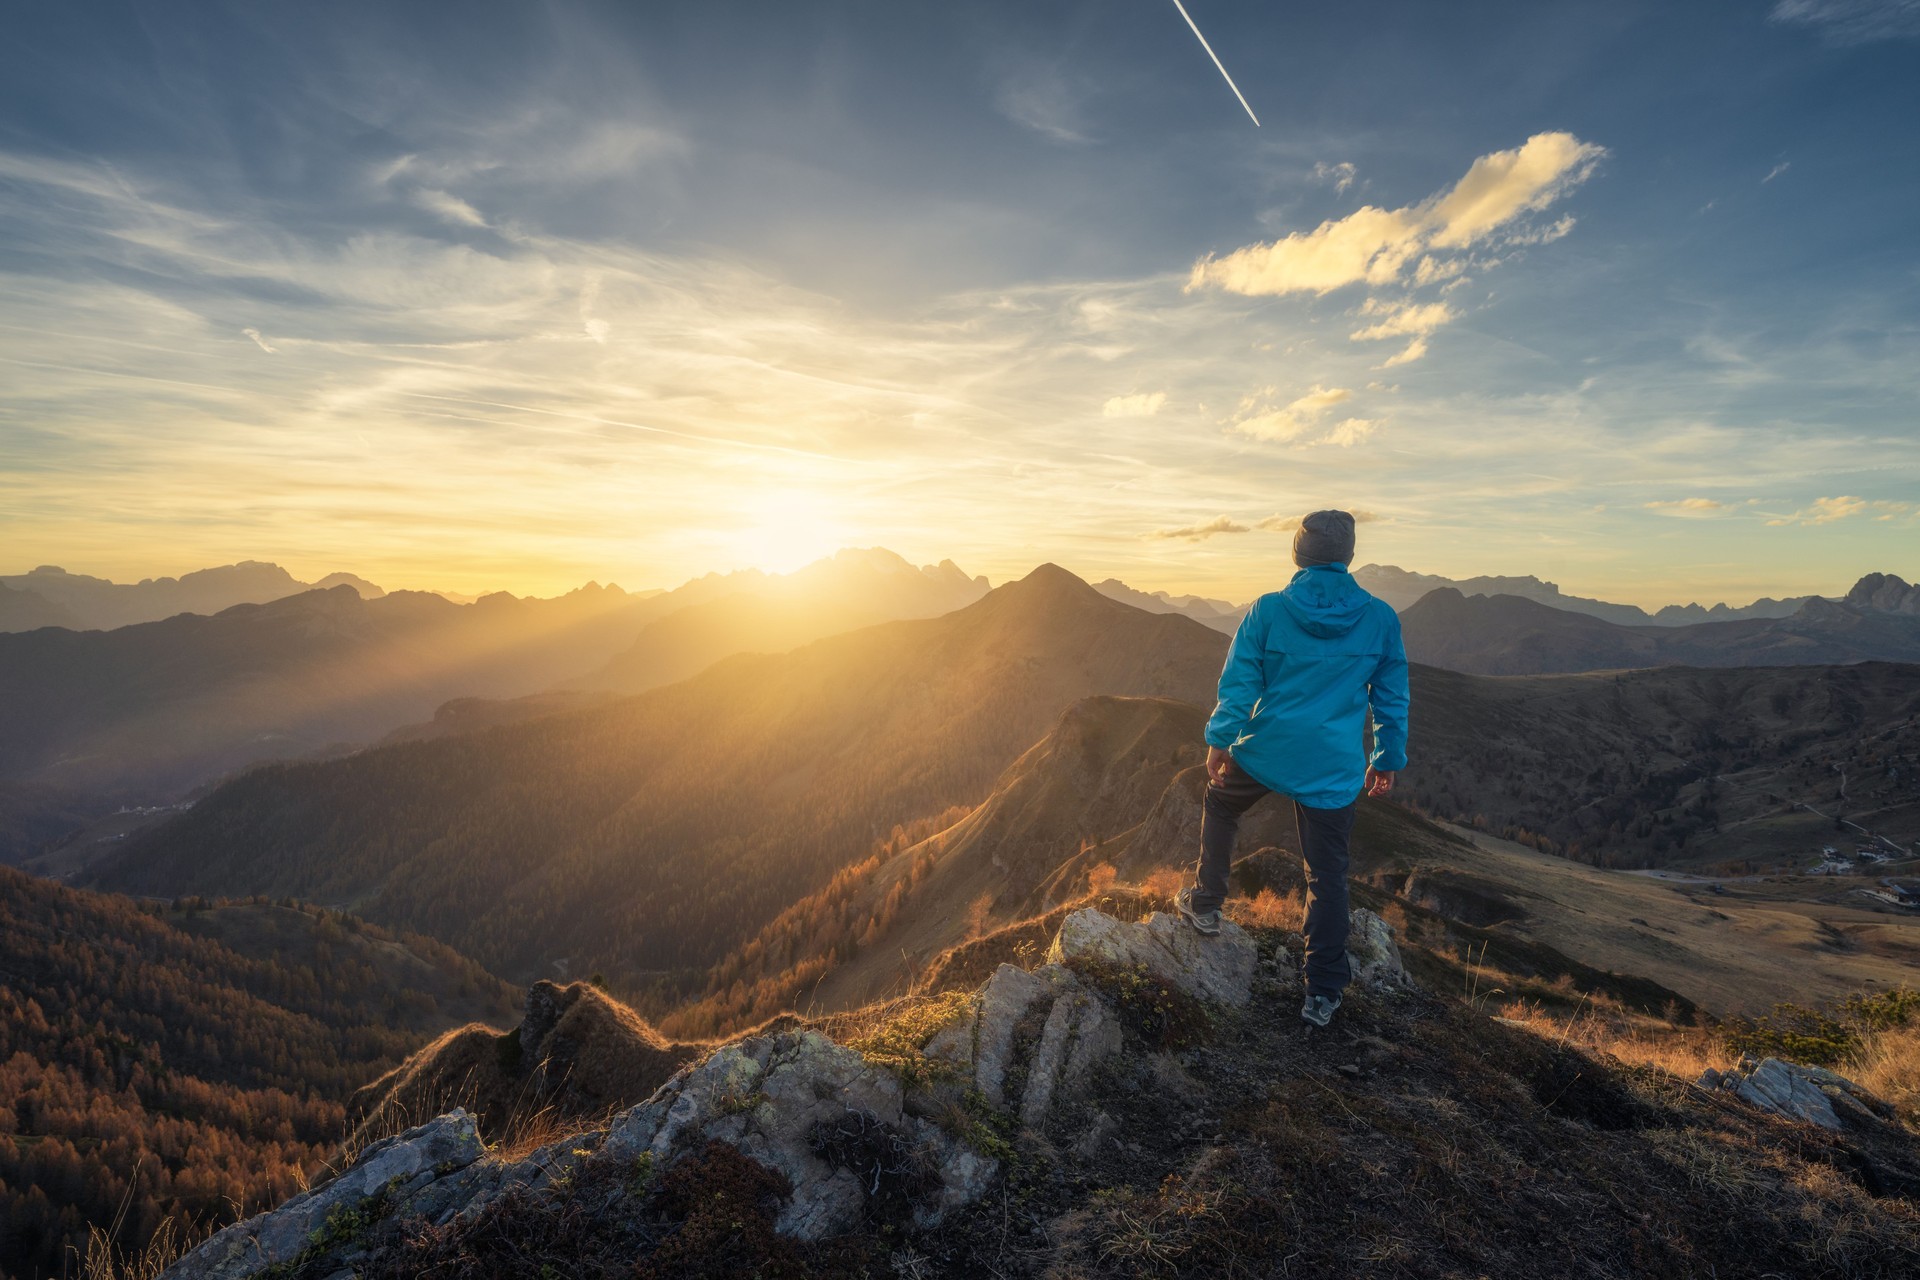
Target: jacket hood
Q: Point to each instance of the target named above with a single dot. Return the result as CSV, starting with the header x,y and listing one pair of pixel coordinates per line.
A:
x,y
1325,600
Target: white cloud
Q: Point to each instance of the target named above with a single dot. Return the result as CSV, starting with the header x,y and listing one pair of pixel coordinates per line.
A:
x,y
1374,246
1402,319
1340,175
1142,405
1689,508
1853,21
1201,532
1776,171
1844,507
1407,355
259,341
1293,421
1350,431
448,206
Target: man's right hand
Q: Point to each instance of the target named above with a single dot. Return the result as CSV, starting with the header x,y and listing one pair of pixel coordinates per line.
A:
x,y
1379,782
1219,764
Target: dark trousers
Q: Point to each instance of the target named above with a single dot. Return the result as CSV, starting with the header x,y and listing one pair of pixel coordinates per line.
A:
x,y
1323,842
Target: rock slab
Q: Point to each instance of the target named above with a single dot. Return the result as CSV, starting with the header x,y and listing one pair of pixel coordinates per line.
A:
x,y
405,1167
1218,969
1800,1093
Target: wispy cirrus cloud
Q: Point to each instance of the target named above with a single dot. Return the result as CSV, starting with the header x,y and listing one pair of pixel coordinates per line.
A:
x,y
1339,176
1201,532
1847,22
1139,405
1844,507
1275,523
1689,508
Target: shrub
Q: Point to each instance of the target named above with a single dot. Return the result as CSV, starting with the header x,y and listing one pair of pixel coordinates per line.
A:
x,y
898,1045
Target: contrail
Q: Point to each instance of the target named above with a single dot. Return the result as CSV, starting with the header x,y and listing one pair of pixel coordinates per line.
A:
x,y
1216,62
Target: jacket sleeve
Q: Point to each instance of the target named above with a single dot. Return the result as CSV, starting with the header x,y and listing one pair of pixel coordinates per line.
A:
x,y
1387,694
1242,681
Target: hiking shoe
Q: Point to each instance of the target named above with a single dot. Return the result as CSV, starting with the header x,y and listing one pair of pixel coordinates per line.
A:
x,y
1319,1010
1207,922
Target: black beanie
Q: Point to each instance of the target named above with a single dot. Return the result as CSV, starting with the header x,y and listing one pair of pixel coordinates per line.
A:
x,y
1324,537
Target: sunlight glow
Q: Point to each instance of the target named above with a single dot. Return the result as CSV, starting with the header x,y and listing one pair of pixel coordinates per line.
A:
x,y
788,528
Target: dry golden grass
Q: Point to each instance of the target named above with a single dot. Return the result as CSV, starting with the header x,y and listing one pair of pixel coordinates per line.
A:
x,y
1268,910
1165,882
1887,1065
102,1261
1603,1026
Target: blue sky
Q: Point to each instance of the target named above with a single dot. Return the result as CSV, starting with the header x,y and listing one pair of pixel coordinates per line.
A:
x,y
480,295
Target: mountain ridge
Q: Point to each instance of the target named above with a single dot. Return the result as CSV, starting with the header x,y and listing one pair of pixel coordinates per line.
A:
x,y
1512,635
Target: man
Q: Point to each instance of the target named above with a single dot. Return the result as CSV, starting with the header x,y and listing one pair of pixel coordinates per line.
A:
x,y
1305,666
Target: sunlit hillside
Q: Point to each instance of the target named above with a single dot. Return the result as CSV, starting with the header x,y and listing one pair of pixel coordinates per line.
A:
x,y
647,839
183,1061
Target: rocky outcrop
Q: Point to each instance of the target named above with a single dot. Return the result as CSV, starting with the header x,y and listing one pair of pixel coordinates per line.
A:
x,y
394,1175
847,1134
1217,969
1374,955
1814,1095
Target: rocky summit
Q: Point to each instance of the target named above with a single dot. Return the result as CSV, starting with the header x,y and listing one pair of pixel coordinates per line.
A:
x,y
1142,1101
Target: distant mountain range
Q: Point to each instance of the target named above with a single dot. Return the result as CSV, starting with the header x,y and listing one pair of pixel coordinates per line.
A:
x,y
651,836
144,713
1402,589
1221,615
1509,635
51,597
771,614
658,832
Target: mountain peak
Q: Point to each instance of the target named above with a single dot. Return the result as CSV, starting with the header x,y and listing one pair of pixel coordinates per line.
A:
x,y
1885,593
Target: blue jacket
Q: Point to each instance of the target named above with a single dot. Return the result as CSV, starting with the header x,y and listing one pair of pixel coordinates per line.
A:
x,y
1304,667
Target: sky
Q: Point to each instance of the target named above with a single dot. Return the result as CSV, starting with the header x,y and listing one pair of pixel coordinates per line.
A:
x,y
476,295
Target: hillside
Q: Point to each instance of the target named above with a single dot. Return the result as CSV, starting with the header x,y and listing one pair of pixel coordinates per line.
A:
x,y
1508,635
1653,767
1113,792
190,1060
647,839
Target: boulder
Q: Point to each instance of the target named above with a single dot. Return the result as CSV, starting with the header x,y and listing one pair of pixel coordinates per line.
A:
x,y
1217,969
1373,955
401,1169
1788,1089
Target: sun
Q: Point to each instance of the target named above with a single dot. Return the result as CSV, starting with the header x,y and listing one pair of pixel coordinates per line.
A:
x,y
787,528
